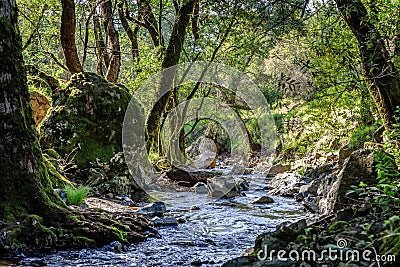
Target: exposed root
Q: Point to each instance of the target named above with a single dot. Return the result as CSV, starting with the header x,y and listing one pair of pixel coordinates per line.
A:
x,y
72,229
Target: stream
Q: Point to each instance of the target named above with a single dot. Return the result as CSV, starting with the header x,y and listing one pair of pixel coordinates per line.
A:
x,y
212,234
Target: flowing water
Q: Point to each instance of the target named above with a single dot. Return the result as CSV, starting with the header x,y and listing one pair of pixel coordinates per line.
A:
x,y
211,235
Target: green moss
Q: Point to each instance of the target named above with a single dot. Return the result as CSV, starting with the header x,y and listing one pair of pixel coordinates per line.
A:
x,y
10,211
122,235
37,84
31,230
91,149
87,120
51,153
57,180
46,185
76,218
41,227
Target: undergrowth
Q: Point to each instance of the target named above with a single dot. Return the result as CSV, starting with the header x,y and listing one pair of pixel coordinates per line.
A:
x,y
76,196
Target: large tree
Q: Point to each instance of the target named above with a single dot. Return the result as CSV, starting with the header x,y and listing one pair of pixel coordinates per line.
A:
x,y
380,73
26,193
22,174
171,58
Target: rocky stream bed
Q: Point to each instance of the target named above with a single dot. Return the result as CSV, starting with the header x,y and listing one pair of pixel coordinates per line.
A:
x,y
209,232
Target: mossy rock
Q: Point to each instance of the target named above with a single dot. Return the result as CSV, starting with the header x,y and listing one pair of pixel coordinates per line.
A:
x,y
86,119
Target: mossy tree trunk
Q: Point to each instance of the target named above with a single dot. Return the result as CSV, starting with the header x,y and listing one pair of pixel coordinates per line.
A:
x,y
26,193
379,71
68,25
100,47
23,178
171,58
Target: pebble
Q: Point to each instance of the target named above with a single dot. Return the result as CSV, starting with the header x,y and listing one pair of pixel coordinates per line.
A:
x,y
124,198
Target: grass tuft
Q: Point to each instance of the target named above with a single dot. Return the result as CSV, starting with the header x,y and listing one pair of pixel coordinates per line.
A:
x,y
75,196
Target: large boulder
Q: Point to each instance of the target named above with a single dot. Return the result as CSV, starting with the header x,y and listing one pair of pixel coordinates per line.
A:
x,y
208,154
286,184
112,177
280,238
188,176
226,186
359,167
278,168
318,183
86,119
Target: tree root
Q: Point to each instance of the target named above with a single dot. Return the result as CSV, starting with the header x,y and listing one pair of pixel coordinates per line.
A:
x,y
72,229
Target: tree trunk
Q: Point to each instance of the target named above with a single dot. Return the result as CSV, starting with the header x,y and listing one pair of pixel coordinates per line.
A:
x,y
146,13
100,47
26,193
381,75
132,34
171,58
23,176
113,40
68,25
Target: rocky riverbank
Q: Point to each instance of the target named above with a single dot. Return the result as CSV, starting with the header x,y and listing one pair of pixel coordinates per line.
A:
x,y
342,219
193,233
349,226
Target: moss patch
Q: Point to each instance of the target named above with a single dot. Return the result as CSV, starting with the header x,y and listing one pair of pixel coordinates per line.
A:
x,y
122,235
57,180
86,119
